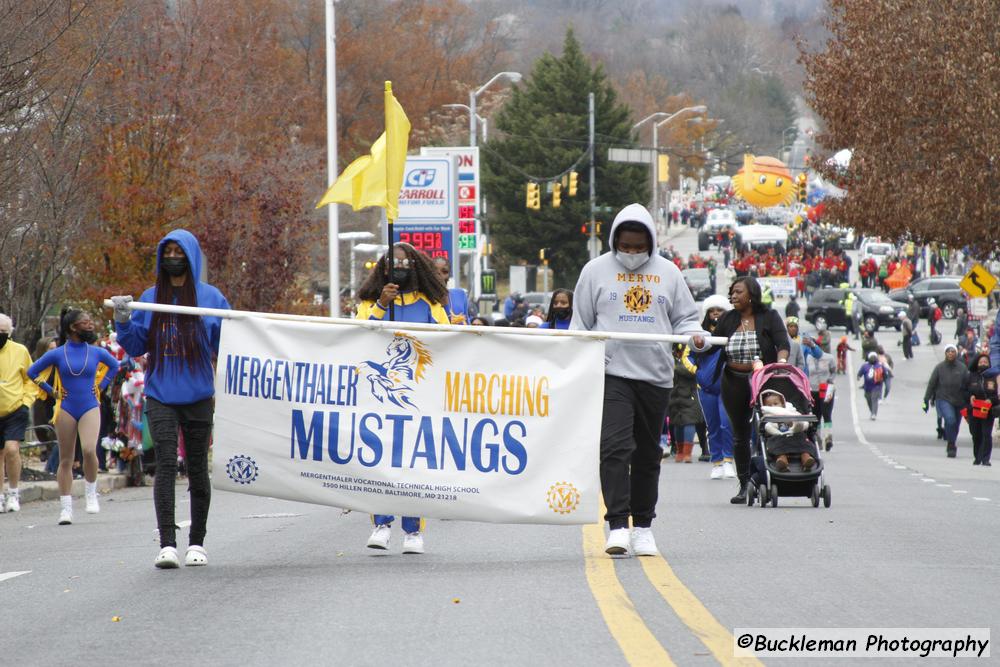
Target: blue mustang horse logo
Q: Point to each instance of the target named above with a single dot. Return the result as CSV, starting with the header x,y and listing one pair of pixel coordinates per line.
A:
x,y
392,381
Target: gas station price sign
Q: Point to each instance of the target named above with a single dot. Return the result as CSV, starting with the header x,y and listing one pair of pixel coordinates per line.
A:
x,y
434,239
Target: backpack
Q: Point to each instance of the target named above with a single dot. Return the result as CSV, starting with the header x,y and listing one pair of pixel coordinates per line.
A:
x,y
877,374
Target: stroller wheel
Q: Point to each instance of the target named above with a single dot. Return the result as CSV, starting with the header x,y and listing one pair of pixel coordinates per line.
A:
x,y
815,496
773,495
826,495
762,492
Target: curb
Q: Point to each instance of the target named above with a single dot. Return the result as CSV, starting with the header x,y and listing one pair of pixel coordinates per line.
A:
x,y
32,491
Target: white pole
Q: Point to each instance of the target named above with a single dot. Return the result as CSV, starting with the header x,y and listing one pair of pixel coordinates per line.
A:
x,y
354,273
593,186
410,326
656,176
331,154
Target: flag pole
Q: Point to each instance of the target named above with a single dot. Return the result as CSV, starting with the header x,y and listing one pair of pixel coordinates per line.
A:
x,y
391,252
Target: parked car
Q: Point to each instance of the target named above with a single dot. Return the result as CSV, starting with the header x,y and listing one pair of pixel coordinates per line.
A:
x,y
717,220
698,282
944,290
877,309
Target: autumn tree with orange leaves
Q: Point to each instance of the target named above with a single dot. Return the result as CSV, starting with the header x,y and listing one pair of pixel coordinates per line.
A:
x,y
913,89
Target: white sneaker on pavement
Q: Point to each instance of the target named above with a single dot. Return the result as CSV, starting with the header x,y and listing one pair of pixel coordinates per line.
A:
x,y
728,470
380,538
413,543
65,517
643,543
619,542
167,559
717,472
196,555
93,507
3,504
13,503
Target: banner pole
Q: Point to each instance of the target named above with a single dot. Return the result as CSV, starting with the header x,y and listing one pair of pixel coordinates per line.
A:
x,y
412,326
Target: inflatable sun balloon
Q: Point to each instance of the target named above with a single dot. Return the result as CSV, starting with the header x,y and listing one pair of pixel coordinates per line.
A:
x,y
764,182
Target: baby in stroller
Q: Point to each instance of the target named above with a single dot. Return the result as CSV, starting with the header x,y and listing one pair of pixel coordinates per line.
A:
x,y
787,437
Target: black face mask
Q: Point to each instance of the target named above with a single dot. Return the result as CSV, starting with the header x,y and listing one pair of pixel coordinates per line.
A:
x,y
88,337
3,339
401,276
174,266
562,313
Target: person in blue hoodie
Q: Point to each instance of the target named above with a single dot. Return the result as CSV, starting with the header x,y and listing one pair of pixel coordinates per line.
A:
x,y
560,311
633,289
414,293
180,383
720,431
460,309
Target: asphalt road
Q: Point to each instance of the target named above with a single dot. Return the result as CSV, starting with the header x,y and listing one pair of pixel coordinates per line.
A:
x,y
909,542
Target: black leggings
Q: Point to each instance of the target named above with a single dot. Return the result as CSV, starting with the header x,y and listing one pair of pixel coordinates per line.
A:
x,y
823,409
982,439
736,399
195,420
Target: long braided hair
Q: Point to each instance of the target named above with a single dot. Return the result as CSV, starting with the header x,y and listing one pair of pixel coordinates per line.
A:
x,y
423,277
170,334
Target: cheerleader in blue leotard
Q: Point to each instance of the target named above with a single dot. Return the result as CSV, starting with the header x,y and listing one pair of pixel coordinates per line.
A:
x,y
82,370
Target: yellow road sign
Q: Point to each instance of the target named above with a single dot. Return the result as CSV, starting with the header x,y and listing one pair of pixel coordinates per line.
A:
x,y
978,282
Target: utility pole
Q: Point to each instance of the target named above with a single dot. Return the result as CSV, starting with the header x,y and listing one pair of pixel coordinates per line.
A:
x,y
592,246
333,220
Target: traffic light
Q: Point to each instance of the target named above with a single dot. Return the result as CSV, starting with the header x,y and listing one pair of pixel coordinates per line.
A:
x,y
370,264
556,195
545,254
803,189
534,200
572,183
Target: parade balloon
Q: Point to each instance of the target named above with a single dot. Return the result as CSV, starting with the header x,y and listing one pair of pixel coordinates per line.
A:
x,y
764,181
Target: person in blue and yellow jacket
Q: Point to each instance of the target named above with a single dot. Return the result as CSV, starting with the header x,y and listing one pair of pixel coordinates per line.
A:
x,y
417,295
415,290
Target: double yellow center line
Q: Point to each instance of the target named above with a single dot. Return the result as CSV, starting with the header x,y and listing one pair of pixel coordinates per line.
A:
x,y
634,638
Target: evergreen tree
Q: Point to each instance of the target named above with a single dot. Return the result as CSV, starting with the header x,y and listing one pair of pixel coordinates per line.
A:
x,y
543,133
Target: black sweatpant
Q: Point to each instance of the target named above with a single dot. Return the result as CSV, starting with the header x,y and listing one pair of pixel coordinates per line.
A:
x,y
195,420
982,439
630,449
736,400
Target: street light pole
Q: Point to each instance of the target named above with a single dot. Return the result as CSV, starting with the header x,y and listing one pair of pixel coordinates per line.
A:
x,y
333,221
473,94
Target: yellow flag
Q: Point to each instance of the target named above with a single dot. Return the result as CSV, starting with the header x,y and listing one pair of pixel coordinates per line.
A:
x,y
375,179
397,137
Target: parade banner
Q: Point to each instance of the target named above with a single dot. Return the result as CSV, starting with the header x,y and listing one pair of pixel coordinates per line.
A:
x,y
781,287
435,424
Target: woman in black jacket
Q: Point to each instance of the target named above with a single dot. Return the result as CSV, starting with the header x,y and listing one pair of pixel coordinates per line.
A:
x,y
981,394
757,336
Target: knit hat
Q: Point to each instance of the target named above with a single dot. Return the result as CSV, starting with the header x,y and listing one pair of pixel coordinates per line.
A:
x,y
872,356
949,346
533,319
715,301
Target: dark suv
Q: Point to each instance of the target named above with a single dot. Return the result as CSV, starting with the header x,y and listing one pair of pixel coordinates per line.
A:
x,y
877,310
944,290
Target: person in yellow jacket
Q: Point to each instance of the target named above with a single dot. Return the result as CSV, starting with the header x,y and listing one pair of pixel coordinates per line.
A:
x,y
17,393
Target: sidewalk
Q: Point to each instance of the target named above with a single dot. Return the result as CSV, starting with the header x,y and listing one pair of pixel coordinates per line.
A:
x,y
49,490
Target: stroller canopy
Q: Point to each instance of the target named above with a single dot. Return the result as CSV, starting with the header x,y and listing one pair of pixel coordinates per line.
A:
x,y
787,379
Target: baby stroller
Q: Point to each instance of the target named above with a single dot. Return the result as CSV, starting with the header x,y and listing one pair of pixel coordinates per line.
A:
x,y
766,481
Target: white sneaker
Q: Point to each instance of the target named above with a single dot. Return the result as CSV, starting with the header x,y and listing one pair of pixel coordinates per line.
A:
x,y
65,517
3,505
13,503
619,542
728,470
380,538
167,559
93,507
717,472
413,543
196,555
643,543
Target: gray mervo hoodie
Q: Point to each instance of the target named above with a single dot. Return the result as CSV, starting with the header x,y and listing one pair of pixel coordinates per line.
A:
x,y
652,299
